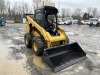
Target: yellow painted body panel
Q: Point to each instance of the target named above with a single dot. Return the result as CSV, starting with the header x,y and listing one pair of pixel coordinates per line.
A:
x,y
35,33
50,40
27,28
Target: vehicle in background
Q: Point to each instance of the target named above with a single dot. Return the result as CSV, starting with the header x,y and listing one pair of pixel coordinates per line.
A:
x,y
74,22
2,21
63,22
85,22
94,22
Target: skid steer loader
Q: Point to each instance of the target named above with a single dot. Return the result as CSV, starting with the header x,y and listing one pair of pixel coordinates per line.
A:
x,y
49,40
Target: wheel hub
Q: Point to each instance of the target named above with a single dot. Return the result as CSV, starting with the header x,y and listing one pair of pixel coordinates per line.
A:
x,y
35,46
26,40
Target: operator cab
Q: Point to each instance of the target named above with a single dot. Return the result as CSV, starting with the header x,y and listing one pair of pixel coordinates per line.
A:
x,y
46,17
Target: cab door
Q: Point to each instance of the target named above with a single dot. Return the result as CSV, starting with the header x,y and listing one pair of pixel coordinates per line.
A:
x,y
39,17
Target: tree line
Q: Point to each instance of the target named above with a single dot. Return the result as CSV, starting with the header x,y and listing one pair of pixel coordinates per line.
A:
x,y
16,10
78,14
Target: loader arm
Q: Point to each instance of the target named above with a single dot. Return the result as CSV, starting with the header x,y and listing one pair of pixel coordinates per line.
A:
x,y
35,25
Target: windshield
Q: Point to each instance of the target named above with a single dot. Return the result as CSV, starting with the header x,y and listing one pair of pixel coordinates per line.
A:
x,y
39,16
93,19
51,18
63,19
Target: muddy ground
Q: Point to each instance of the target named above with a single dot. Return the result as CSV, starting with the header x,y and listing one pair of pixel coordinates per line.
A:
x,y
16,59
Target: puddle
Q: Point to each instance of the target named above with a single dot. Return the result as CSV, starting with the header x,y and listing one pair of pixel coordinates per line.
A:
x,y
18,42
96,53
39,63
36,60
17,38
9,41
80,68
71,33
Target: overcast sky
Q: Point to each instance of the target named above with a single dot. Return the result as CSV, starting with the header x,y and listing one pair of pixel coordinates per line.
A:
x,y
73,4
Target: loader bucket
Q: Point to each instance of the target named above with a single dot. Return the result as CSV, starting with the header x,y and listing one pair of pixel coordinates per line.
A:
x,y
58,58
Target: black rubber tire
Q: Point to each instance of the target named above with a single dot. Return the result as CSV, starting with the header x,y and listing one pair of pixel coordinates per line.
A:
x,y
65,24
67,39
97,25
40,44
29,37
90,25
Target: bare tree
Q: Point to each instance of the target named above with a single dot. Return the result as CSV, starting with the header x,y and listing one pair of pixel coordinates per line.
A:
x,y
8,8
25,8
98,14
15,8
94,12
35,3
68,13
20,7
2,6
89,10
77,12
63,13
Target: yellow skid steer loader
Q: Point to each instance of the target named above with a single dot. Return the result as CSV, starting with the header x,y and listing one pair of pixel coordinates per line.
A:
x,y
49,40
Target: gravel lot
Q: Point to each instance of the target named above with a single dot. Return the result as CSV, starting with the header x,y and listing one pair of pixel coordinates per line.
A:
x,y
16,59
